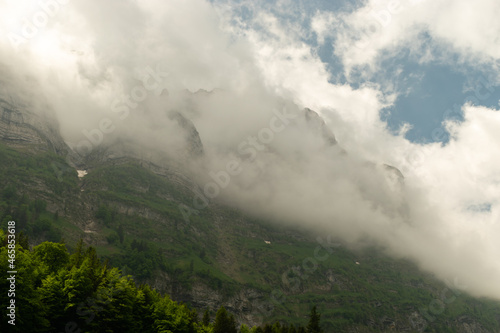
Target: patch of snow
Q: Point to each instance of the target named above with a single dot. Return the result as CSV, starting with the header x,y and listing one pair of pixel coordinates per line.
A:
x,y
81,173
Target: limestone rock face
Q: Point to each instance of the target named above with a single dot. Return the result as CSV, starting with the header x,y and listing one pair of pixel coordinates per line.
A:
x,y
26,119
21,128
188,148
194,146
318,125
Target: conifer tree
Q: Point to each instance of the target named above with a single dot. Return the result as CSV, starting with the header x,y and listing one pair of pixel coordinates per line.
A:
x,y
314,318
206,317
224,322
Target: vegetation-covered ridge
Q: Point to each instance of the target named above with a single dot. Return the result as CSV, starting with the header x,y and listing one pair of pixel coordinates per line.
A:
x,y
56,291
130,214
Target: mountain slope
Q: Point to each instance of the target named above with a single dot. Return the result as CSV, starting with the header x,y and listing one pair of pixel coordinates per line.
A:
x,y
136,208
221,256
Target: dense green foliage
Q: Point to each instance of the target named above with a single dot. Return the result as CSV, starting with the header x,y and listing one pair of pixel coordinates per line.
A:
x,y
314,322
61,292
224,322
57,292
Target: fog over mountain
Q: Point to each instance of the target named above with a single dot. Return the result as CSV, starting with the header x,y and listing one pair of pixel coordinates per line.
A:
x,y
281,136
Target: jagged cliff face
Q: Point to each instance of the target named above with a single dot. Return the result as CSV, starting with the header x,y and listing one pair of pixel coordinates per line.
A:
x,y
318,125
246,304
187,150
26,120
193,147
24,129
27,123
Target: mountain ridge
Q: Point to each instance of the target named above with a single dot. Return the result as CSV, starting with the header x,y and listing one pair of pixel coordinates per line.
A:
x,y
129,198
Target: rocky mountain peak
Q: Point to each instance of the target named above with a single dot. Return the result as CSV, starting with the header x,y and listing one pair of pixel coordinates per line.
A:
x,y
318,125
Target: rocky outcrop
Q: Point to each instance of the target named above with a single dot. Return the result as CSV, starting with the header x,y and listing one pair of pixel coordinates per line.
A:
x,y
154,156
318,125
193,146
248,305
26,119
21,128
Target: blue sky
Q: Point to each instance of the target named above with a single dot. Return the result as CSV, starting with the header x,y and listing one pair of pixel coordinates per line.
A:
x,y
428,93
435,97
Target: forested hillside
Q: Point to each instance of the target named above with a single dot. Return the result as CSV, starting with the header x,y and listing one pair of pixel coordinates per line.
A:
x,y
56,291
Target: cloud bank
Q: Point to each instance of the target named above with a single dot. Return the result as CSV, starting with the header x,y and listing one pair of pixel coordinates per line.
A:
x,y
132,63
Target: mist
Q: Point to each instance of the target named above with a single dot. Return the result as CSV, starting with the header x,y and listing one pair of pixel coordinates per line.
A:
x,y
114,72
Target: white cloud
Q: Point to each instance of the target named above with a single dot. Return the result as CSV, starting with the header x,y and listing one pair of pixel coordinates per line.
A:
x,y
91,55
383,27
323,24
